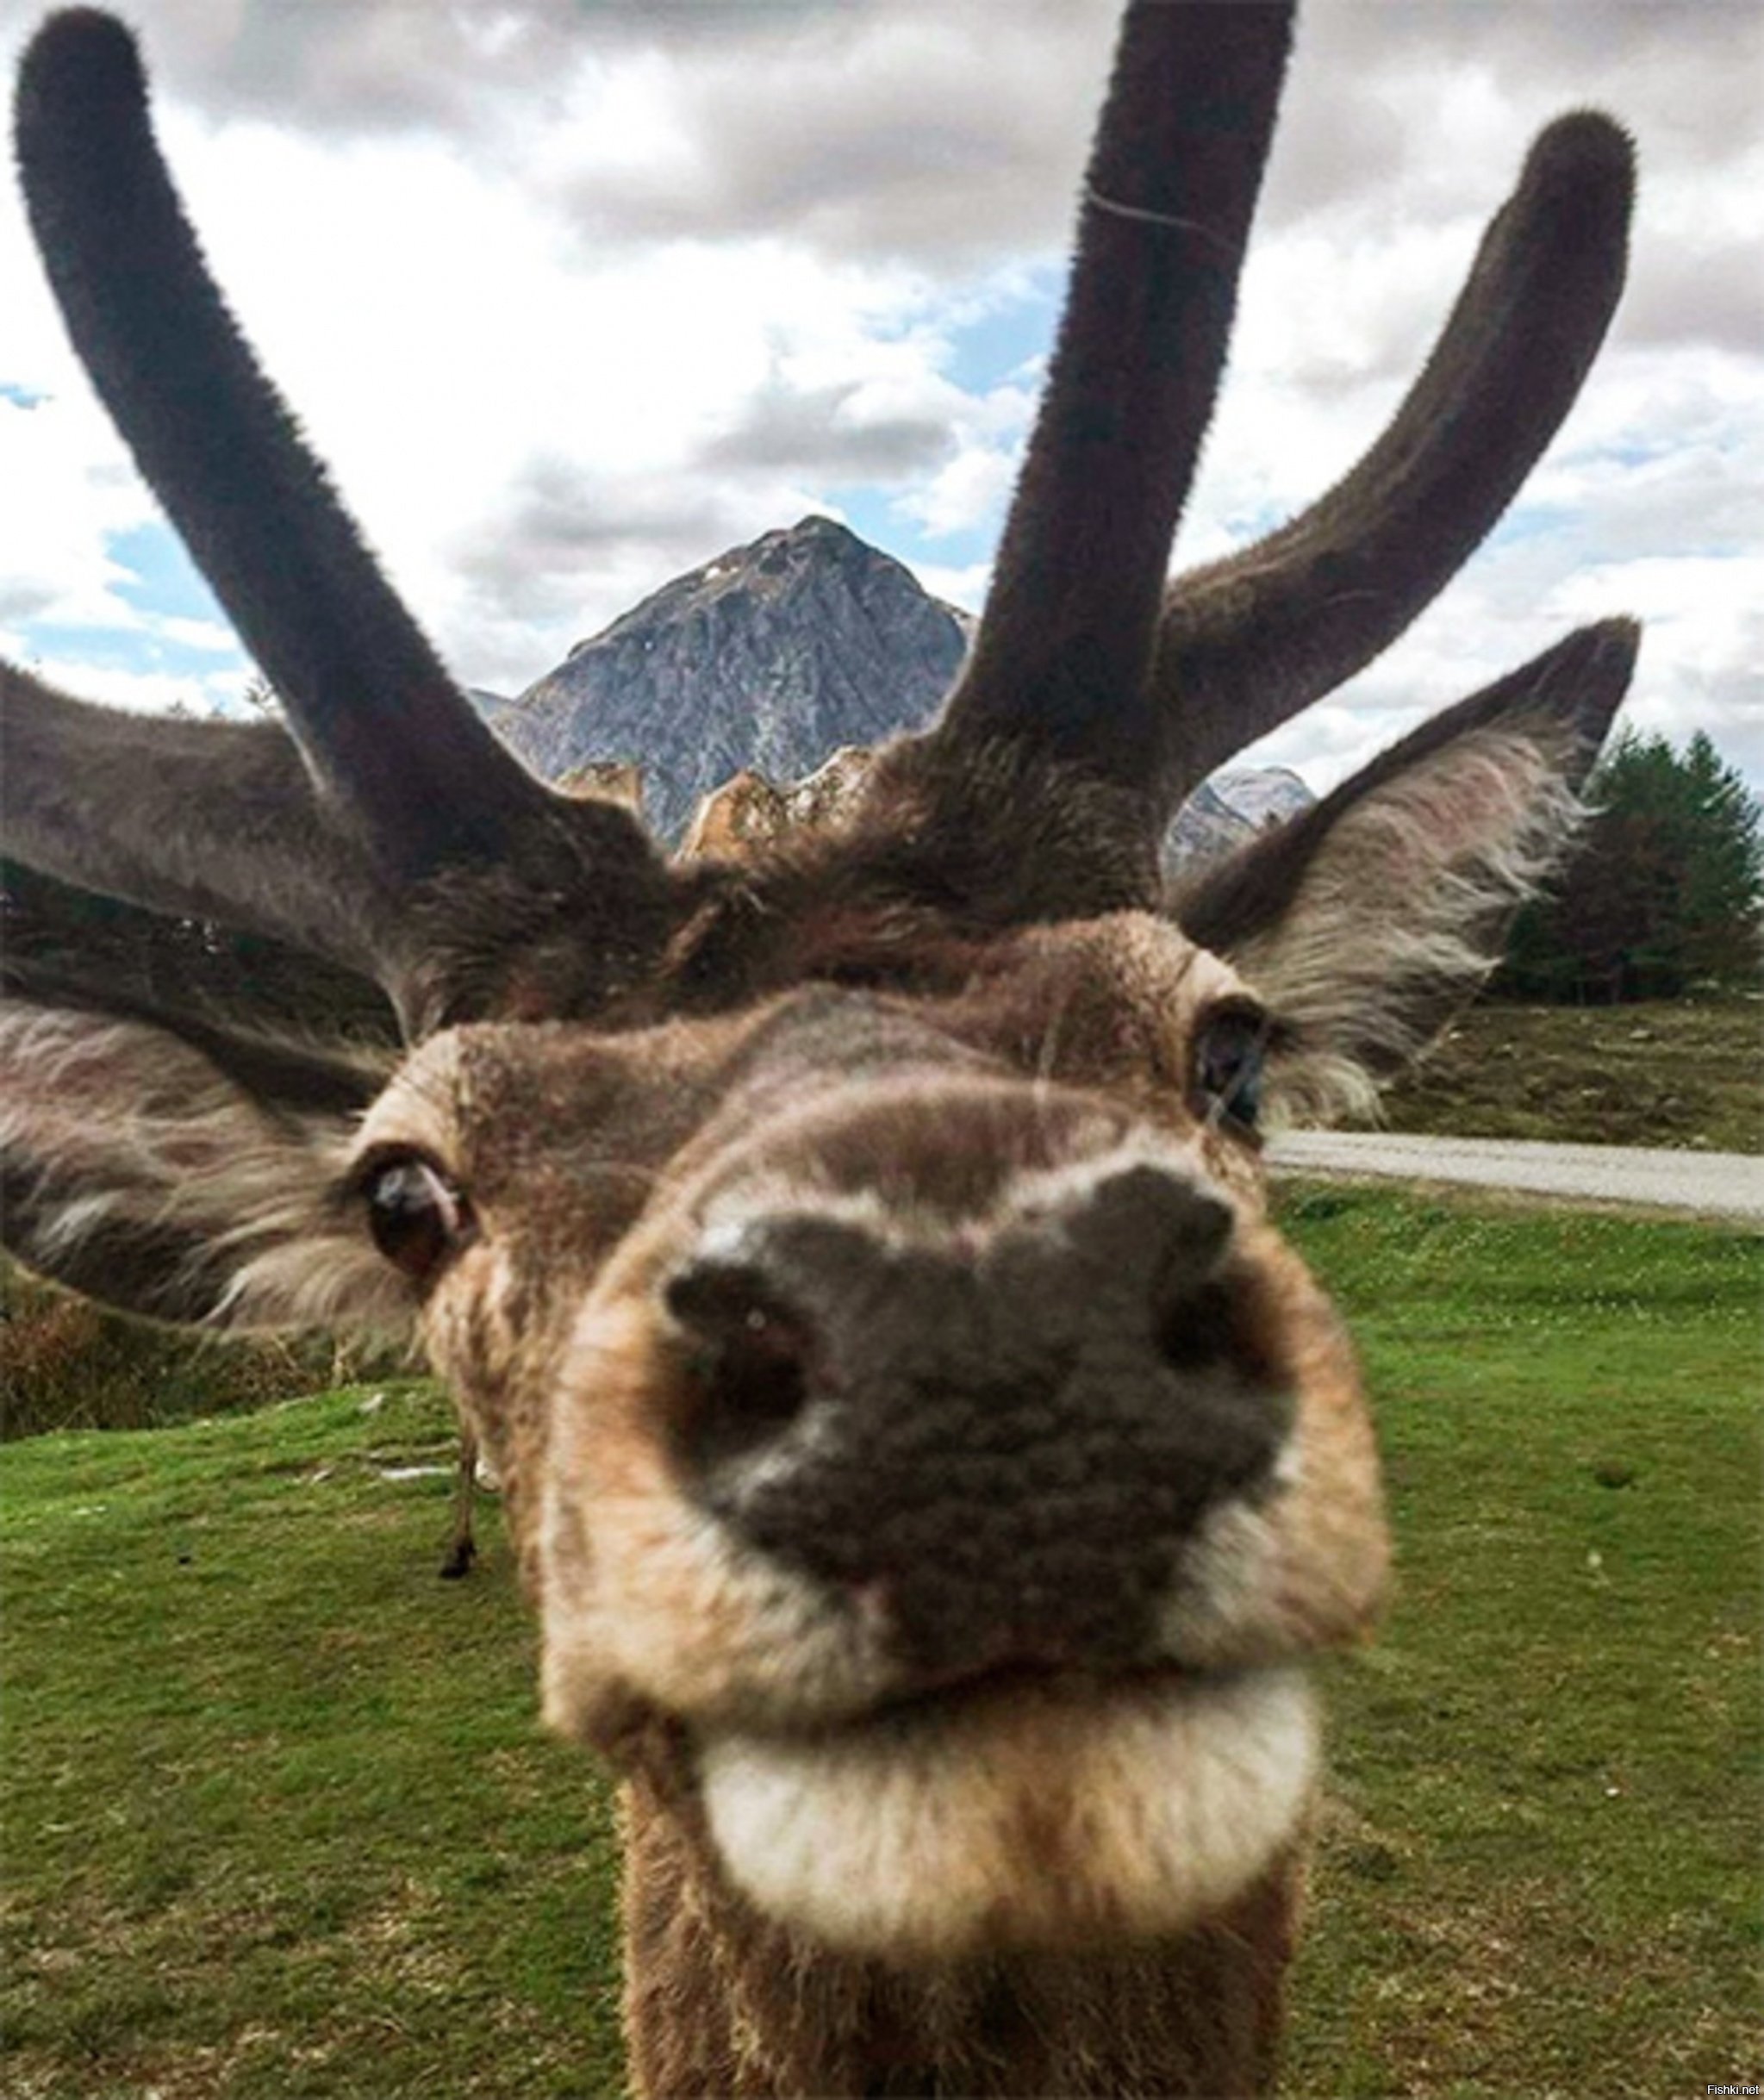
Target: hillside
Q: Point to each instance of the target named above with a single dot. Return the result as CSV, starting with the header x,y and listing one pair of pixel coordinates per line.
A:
x,y
1224,811
1673,1073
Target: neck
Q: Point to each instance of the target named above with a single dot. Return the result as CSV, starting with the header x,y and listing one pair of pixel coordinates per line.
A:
x,y
717,2001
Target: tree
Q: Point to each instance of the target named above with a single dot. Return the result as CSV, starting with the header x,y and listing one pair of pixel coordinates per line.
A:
x,y
1724,876
1666,893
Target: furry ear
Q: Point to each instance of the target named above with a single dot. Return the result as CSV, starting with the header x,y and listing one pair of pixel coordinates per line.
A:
x,y
1367,919
186,1179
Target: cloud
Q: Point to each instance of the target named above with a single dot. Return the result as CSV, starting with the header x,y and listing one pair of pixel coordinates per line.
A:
x,y
148,692
201,634
963,588
838,432
572,296
945,135
69,490
971,491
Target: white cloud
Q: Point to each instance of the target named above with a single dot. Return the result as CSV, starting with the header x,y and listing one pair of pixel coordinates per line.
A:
x,y
572,297
969,490
148,692
204,634
68,491
964,587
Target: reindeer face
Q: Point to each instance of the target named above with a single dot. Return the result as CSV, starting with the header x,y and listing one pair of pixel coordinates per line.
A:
x,y
948,1470
933,1471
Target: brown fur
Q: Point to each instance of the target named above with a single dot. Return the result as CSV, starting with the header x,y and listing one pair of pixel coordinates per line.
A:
x,y
717,2003
934,1474
719,1999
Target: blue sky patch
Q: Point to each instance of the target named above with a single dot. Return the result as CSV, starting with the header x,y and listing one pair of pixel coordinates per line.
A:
x,y
166,580
998,342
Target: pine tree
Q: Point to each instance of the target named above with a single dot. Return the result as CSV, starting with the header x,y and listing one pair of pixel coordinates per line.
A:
x,y
1725,878
1666,895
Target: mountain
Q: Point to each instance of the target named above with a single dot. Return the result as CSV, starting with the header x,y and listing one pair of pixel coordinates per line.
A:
x,y
776,661
1232,805
771,658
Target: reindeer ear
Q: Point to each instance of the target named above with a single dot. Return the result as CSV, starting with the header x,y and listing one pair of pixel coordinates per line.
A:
x,y
188,1184
1365,921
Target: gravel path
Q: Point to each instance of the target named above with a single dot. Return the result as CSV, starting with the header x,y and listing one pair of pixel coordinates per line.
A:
x,y
1711,1184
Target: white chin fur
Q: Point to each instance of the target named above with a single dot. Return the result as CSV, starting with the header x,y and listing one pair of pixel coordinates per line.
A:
x,y
1021,1817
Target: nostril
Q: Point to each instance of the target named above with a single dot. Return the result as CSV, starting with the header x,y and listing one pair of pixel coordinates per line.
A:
x,y
1197,1329
752,1358
1237,1390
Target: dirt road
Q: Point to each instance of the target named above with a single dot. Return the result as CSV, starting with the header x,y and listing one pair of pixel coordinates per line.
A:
x,y
1711,1184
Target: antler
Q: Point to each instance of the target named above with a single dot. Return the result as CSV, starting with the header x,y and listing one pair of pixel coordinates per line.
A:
x,y
1063,651
197,819
384,729
404,770
1247,643
1083,650
1084,657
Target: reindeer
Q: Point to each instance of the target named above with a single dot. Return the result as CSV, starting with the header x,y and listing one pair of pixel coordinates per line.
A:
x,y
932,1473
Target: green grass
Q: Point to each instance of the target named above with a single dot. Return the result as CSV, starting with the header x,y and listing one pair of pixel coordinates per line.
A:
x,y
1679,1073
278,1821
1541,1865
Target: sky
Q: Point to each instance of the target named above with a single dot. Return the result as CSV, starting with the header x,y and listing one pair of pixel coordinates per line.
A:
x,y
573,295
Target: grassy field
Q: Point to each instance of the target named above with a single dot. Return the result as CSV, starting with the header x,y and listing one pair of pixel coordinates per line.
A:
x,y
279,1822
1678,1073
1542,1868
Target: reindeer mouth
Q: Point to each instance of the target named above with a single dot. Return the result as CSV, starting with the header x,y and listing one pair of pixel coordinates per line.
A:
x,y
1000,1695
1017,1807
1021,1681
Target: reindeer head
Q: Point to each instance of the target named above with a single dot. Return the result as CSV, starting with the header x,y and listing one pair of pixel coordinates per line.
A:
x,y
930,1467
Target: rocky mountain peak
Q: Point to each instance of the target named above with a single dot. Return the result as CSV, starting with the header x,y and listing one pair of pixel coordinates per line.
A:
x,y
771,657
1223,812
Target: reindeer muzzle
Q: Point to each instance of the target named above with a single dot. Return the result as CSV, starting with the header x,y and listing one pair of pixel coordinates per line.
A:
x,y
1000,1437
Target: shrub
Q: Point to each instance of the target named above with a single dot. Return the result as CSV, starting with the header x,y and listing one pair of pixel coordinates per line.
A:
x,y
66,1364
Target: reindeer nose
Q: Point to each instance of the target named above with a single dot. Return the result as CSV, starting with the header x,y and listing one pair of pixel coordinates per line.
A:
x,y
1011,1431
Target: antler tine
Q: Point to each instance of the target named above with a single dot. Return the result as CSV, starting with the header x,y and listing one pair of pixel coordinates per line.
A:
x,y
1247,643
201,819
392,741
1065,645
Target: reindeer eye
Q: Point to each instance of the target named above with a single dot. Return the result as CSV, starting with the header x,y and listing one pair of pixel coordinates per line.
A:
x,y
1230,1050
418,1216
